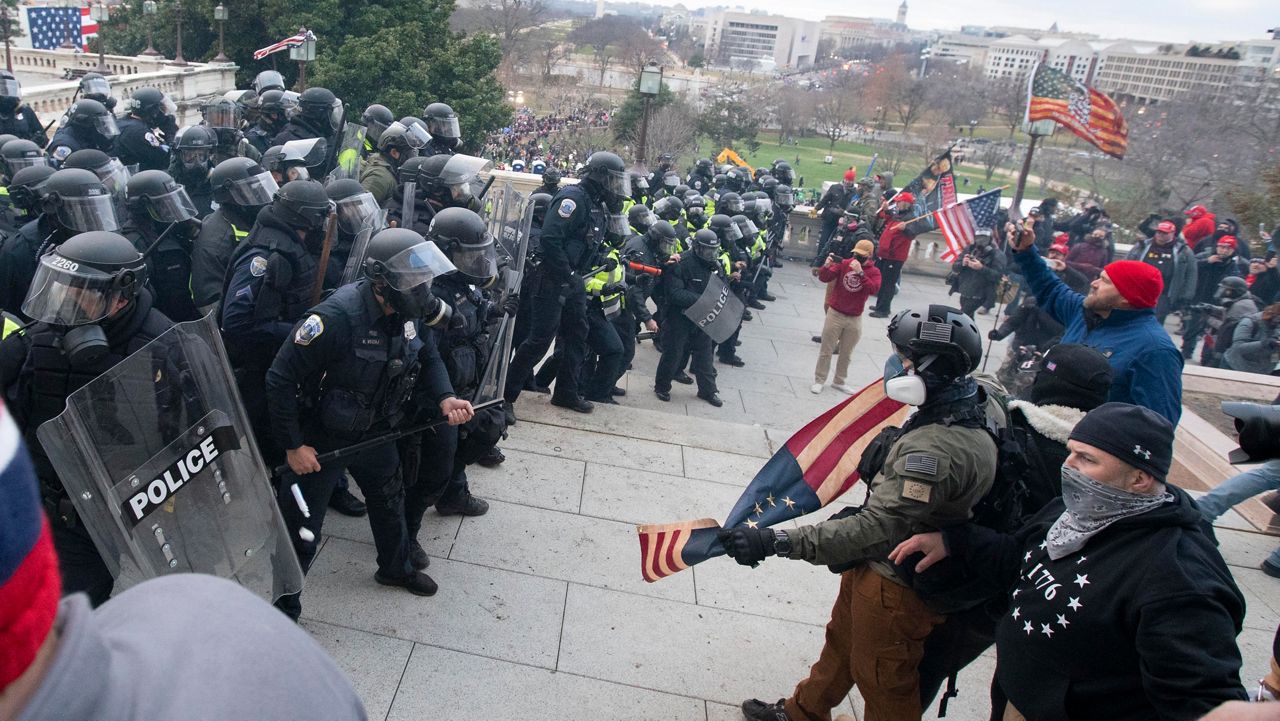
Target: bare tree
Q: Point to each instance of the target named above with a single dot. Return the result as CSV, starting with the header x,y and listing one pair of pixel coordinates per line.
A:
x,y
605,37
833,114
508,19
638,48
545,49
1009,101
672,129
993,155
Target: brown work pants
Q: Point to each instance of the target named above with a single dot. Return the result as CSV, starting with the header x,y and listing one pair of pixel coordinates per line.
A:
x,y
875,639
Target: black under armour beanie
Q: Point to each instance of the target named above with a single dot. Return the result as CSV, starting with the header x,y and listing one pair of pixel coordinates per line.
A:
x,y
1136,435
1072,375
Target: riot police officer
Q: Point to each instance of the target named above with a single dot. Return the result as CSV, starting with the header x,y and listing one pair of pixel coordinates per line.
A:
x,y
731,249
683,283
15,118
113,175
162,223
241,188
192,160
268,80
319,116
570,243
147,131
539,203
73,201
396,145
651,251
442,124
224,117
701,178
376,118
89,125
92,310
273,113
18,154
25,188
345,375
550,182
95,87
357,213
640,219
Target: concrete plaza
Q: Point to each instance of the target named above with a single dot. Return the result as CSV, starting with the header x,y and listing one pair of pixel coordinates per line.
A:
x,y
542,613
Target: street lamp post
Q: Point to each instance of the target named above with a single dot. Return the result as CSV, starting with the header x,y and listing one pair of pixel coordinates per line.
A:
x,y
148,12
220,14
101,14
177,19
4,18
304,53
650,86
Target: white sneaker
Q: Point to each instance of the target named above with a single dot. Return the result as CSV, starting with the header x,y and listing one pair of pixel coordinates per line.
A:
x,y
843,388
816,388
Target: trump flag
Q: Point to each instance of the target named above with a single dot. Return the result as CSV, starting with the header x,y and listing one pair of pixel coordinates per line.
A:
x,y
813,468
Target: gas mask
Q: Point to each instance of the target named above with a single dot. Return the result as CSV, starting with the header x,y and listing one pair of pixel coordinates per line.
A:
x,y
8,104
85,345
902,384
419,302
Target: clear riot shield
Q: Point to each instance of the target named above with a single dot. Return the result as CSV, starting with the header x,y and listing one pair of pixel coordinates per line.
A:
x,y
461,173
354,269
158,457
510,216
350,148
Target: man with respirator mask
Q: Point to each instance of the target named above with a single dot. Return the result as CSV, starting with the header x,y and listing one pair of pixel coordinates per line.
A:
x,y
15,118
345,375
162,223
92,310
940,465
1119,598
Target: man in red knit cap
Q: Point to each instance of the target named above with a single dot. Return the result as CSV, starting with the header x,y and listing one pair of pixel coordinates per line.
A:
x,y
1118,318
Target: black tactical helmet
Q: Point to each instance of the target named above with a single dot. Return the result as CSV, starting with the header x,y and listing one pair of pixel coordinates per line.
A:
x,y
540,201
464,238
941,333
442,123
640,217
159,196
706,244
401,137
268,80
149,104
273,102
93,115
551,177
661,237
782,171
95,87
222,113
242,182
717,180
769,185
668,208
26,187
783,197
748,229
355,206
729,203
681,190
19,154
109,170
78,200
246,101
83,280
409,170
607,171
303,204
703,166
10,91
1231,287
6,137
724,228
195,146
375,119
403,265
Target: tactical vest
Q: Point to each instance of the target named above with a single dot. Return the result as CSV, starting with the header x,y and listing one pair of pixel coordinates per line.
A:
x,y
463,349
294,291
611,304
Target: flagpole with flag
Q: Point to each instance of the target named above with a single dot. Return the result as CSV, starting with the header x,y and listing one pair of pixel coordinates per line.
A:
x,y
813,468
959,223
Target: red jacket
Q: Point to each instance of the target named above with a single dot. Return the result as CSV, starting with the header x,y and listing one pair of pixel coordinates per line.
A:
x,y
895,243
1201,227
848,295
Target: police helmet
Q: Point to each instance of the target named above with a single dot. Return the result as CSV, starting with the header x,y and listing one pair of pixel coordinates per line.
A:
x,y
156,194
747,228
465,239
321,107
268,80
222,113
769,185
243,182
303,204
355,206
26,187
78,201
94,116
729,203
95,87
668,208
706,245
83,280
402,264
442,123
376,118
724,228
149,104
661,237
783,197
406,139
195,146
703,166
551,177
540,201
110,171
19,154
607,171
640,217
10,90
6,137
940,340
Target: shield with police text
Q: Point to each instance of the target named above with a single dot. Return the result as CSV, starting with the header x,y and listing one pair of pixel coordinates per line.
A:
x,y
159,459
717,311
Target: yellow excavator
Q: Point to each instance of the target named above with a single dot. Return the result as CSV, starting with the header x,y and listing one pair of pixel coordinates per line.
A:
x,y
728,156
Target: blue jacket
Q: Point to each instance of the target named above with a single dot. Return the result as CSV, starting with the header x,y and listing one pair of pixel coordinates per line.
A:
x,y
1147,366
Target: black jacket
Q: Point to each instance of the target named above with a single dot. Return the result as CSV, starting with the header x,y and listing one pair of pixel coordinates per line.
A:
x,y
1140,624
1030,325
138,143
683,284
572,235
220,233
24,124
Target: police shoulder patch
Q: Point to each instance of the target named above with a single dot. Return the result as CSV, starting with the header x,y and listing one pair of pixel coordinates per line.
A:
x,y
310,329
567,206
61,152
258,266
151,138
410,330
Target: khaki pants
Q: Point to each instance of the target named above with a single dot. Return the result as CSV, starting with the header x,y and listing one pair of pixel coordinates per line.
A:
x,y
875,639
838,331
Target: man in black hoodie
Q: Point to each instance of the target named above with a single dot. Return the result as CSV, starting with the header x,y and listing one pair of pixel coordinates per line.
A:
x,y
1120,604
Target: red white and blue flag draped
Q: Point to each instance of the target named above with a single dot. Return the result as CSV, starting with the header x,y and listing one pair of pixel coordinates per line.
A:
x,y
52,26
814,467
960,222
292,41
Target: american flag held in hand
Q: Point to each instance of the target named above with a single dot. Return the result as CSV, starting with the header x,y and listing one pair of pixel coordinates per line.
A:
x,y
52,26
292,41
960,222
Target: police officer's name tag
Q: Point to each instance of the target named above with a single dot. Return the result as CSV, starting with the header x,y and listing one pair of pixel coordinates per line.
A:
x,y
567,206
174,477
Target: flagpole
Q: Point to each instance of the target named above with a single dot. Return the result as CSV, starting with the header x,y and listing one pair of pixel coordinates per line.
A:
x,y
1022,177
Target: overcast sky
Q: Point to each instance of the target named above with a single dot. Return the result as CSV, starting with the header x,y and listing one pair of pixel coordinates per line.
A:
x,y
1166,20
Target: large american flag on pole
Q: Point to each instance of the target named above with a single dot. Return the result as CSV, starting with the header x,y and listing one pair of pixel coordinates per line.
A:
x,y
960,222
52,26
1054,95
813,468
292,41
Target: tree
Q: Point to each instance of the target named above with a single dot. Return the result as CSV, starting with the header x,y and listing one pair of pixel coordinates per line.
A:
x,y
545,49
626,121
508,19
728,118
605,37
992,155
1258,204
673,129
833,114
1009,101
909,99
697,60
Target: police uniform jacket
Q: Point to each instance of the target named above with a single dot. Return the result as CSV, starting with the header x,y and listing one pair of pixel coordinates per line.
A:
x,y
640,286
18,262
220,235
24,124
140,144
69,138
348,370
168,264
464,345
684,282
571,235
260,138
296,129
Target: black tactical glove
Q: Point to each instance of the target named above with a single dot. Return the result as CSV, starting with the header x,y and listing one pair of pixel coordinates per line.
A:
x,y
511,305
748,546
613,288
610,264
993,335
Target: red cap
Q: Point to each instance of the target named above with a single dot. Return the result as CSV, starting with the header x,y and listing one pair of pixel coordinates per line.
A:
x,y
850,175
905,198
1061,238
1166,226
1229,240
1196,211
1139,284
1060,247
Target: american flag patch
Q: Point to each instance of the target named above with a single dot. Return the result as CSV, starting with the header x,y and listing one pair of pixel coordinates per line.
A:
x,y
921,463
1051,366
937,332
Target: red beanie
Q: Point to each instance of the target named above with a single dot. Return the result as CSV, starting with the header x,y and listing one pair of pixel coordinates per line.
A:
x,y
1229,240
1139,284
850,175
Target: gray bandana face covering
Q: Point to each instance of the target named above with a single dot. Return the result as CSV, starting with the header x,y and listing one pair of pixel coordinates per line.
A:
x,y
1091,507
